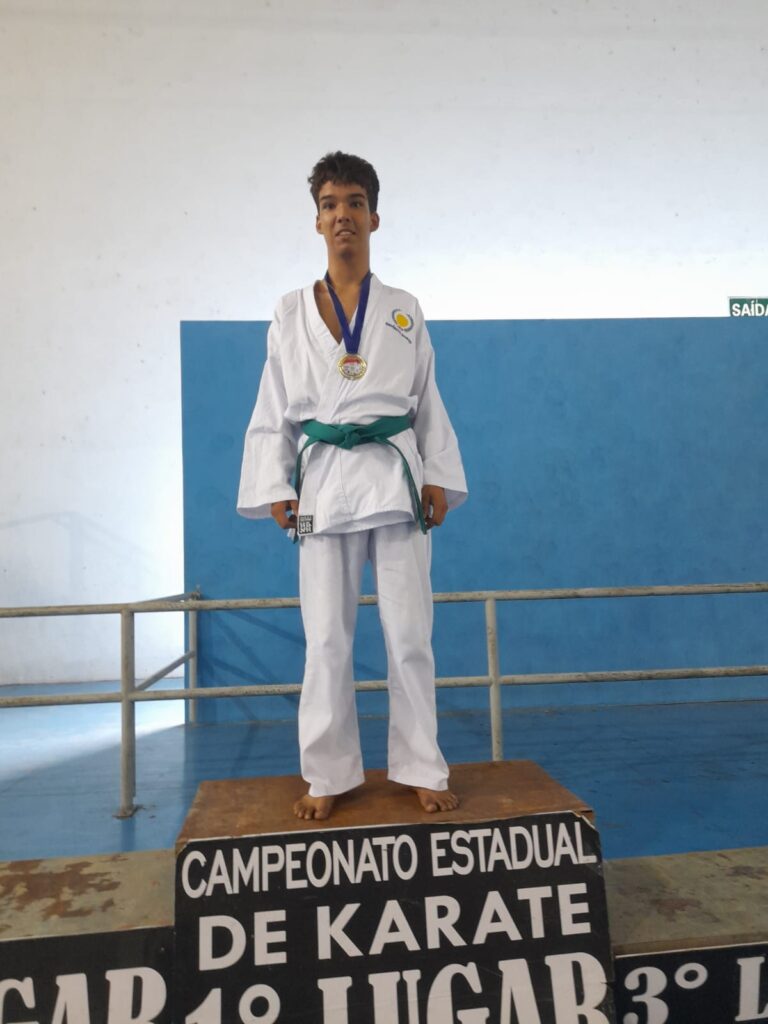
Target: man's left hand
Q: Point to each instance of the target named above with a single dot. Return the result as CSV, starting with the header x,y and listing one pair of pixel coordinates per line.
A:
x,y
435,505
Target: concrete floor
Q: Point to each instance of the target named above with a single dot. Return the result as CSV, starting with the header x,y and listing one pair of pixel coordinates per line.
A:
x,y
662,779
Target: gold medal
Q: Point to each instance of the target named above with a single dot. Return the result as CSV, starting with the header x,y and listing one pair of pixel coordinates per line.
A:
x,y
352,366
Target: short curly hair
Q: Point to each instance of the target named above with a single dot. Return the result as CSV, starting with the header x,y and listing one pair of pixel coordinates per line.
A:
x,y
345,169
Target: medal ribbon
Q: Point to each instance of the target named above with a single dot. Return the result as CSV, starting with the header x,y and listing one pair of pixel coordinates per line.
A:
x,y
351,338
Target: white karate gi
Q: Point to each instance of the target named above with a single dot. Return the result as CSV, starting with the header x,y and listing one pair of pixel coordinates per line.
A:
x,y
358,507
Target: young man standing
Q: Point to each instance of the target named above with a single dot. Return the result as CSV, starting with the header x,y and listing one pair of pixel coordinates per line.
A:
x,y
349,388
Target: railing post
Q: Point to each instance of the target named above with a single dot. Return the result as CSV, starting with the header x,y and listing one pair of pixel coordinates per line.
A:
x,y
192,614
128,710
492,642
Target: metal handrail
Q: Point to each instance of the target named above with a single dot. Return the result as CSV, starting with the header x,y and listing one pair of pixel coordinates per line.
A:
x,y
191,604
185,602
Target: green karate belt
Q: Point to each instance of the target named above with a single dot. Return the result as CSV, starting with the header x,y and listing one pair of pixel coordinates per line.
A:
x,y
350,435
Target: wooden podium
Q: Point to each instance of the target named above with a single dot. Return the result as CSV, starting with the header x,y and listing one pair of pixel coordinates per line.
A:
x,y
97,934
386,914
488,791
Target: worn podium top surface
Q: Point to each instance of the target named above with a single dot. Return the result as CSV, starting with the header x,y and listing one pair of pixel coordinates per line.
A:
x,y
262,806
82,895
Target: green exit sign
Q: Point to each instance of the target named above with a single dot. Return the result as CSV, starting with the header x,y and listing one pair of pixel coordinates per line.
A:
x,y
748,307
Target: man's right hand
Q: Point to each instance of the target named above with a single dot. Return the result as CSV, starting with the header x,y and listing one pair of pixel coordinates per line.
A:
x,y
284,513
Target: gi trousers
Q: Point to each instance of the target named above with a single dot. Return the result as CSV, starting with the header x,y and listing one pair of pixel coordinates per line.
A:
x,y
330,574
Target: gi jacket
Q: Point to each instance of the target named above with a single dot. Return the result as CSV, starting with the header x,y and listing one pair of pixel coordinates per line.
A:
x,y
347,490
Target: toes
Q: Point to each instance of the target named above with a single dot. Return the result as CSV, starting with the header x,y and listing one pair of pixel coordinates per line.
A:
x,y
302,811
437,800
317,808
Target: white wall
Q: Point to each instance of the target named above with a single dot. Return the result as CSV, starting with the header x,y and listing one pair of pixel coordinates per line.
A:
x,y
559,159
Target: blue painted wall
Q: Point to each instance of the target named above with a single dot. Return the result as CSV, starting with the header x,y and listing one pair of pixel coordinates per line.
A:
x,y
598,453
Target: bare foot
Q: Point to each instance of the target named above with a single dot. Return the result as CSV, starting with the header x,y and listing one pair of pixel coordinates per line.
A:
x,y
436,799
318,807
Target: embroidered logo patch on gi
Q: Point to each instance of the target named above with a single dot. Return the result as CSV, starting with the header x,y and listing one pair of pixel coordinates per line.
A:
x,y
402,320
402,323
305,525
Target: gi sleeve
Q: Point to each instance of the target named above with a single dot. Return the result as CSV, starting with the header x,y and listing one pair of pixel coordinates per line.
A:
x,y
269,455
437,443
